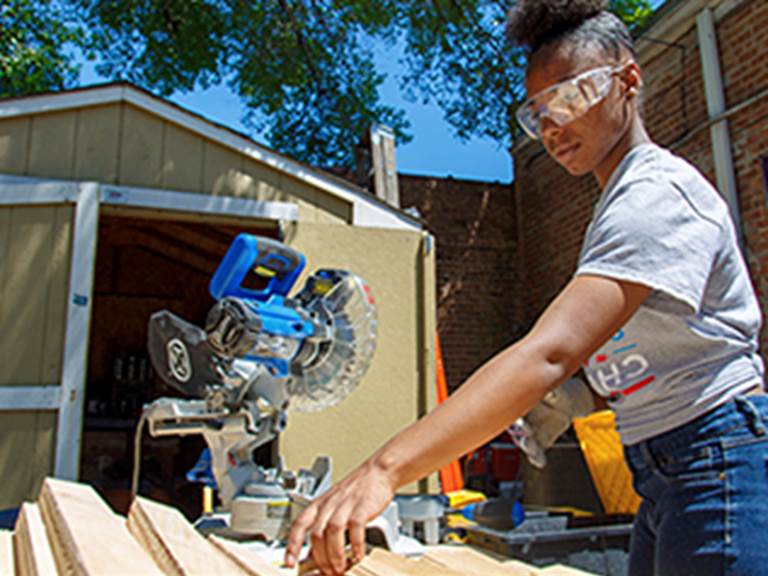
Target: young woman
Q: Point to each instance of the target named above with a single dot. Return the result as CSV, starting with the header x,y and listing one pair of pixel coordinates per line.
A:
x,y
660,314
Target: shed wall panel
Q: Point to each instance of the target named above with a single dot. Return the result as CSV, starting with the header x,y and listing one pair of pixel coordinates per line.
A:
x,y
390,396
260,182
222,173
182,160
141,149
14,145
98,143
52,144
26,454
328,209
33,284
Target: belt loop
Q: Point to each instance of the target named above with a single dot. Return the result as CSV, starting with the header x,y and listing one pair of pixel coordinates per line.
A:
x,y
648,458
754,419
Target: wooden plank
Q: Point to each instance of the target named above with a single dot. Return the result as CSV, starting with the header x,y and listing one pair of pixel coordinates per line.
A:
x,y
32,551
561,570
86,537
470,561
380,562
6,553
522,566
173,542
248,560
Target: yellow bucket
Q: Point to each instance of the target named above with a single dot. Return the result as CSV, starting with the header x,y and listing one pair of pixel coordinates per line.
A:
x,y
604,454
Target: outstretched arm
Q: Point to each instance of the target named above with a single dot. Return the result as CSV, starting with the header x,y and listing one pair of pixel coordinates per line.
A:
x,y
584,315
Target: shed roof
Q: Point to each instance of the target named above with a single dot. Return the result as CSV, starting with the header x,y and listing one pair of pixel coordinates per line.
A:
x,y
367,208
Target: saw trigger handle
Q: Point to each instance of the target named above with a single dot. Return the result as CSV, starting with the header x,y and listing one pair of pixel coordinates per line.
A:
x,y
265,257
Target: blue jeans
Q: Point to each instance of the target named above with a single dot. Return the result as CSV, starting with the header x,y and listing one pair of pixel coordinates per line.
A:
x,y
705,495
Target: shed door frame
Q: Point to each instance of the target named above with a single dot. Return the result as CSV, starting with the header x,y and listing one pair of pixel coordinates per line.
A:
x,y
67,398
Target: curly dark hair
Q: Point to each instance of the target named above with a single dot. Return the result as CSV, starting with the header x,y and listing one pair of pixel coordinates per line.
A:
x,y
535,23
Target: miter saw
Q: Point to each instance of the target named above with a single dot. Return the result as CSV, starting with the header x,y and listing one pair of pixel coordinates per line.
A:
x,y
261,353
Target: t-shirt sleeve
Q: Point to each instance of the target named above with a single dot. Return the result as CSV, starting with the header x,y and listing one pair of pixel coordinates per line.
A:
x,y
650,233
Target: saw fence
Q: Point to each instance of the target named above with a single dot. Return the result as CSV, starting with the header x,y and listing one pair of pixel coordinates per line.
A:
x,y
70,530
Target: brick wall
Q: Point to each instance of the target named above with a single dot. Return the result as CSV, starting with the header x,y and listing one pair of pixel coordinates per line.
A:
x,y
474,227
554,207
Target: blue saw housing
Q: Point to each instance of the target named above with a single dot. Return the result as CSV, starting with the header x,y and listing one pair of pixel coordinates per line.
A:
x,y
265,257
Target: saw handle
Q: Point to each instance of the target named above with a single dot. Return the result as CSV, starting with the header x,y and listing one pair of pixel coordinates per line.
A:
x,y
265,256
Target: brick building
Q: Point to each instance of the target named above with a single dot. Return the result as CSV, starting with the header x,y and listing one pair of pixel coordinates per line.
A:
x,y
474,224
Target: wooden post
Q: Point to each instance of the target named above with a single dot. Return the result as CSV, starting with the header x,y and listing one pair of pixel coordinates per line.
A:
x,y
384,165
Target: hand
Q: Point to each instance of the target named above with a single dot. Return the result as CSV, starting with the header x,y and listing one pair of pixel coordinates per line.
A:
x,y
348,506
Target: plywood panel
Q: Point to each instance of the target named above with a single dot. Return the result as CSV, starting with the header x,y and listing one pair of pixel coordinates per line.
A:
x,y
389,396
26,454
34,245
97,143
14,145
141,149
52,145
182,159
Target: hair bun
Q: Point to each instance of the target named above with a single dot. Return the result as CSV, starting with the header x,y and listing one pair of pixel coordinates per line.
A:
x,y
532,22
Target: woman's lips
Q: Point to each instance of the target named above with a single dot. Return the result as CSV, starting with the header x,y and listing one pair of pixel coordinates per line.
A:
x,y
565,153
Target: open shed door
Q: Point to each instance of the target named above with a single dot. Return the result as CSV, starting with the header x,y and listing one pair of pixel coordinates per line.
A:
x,y
399,386
48,235
46,244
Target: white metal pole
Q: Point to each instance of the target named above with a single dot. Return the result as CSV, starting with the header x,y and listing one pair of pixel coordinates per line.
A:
x,y
720,134
79,304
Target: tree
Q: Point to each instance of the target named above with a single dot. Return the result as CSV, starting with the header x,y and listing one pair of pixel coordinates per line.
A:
x,y
305,69
36,47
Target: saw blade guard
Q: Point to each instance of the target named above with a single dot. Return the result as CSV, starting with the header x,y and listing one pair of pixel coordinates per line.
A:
x,y
335,364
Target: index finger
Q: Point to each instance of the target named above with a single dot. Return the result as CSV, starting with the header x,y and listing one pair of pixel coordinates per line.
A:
x,y
298,535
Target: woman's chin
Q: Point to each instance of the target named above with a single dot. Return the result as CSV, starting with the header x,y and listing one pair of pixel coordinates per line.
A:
x,y
575,168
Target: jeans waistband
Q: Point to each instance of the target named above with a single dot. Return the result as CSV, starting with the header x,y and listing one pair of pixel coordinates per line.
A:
x,y
742,412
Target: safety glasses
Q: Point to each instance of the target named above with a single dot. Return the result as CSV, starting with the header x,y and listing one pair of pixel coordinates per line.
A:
x,y
566,101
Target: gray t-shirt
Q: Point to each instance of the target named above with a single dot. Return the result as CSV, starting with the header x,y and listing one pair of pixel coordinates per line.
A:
x,y
693,342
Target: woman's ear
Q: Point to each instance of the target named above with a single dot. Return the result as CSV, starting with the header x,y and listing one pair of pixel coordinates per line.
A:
x,y
632,79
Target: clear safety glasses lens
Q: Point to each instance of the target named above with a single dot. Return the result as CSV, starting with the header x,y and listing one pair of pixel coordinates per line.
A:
x,y
566,101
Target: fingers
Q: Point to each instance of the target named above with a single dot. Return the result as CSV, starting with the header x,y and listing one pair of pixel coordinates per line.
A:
x,y
298,534
357,523
327,535
334,539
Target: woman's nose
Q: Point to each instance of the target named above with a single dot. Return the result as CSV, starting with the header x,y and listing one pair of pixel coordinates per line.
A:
x,y
549,127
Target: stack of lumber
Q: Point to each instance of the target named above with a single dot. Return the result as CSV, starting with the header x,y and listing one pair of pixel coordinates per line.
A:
x,y
72,531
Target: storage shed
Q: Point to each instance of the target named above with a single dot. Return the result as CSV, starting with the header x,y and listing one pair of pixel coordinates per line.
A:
x,y
115,203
